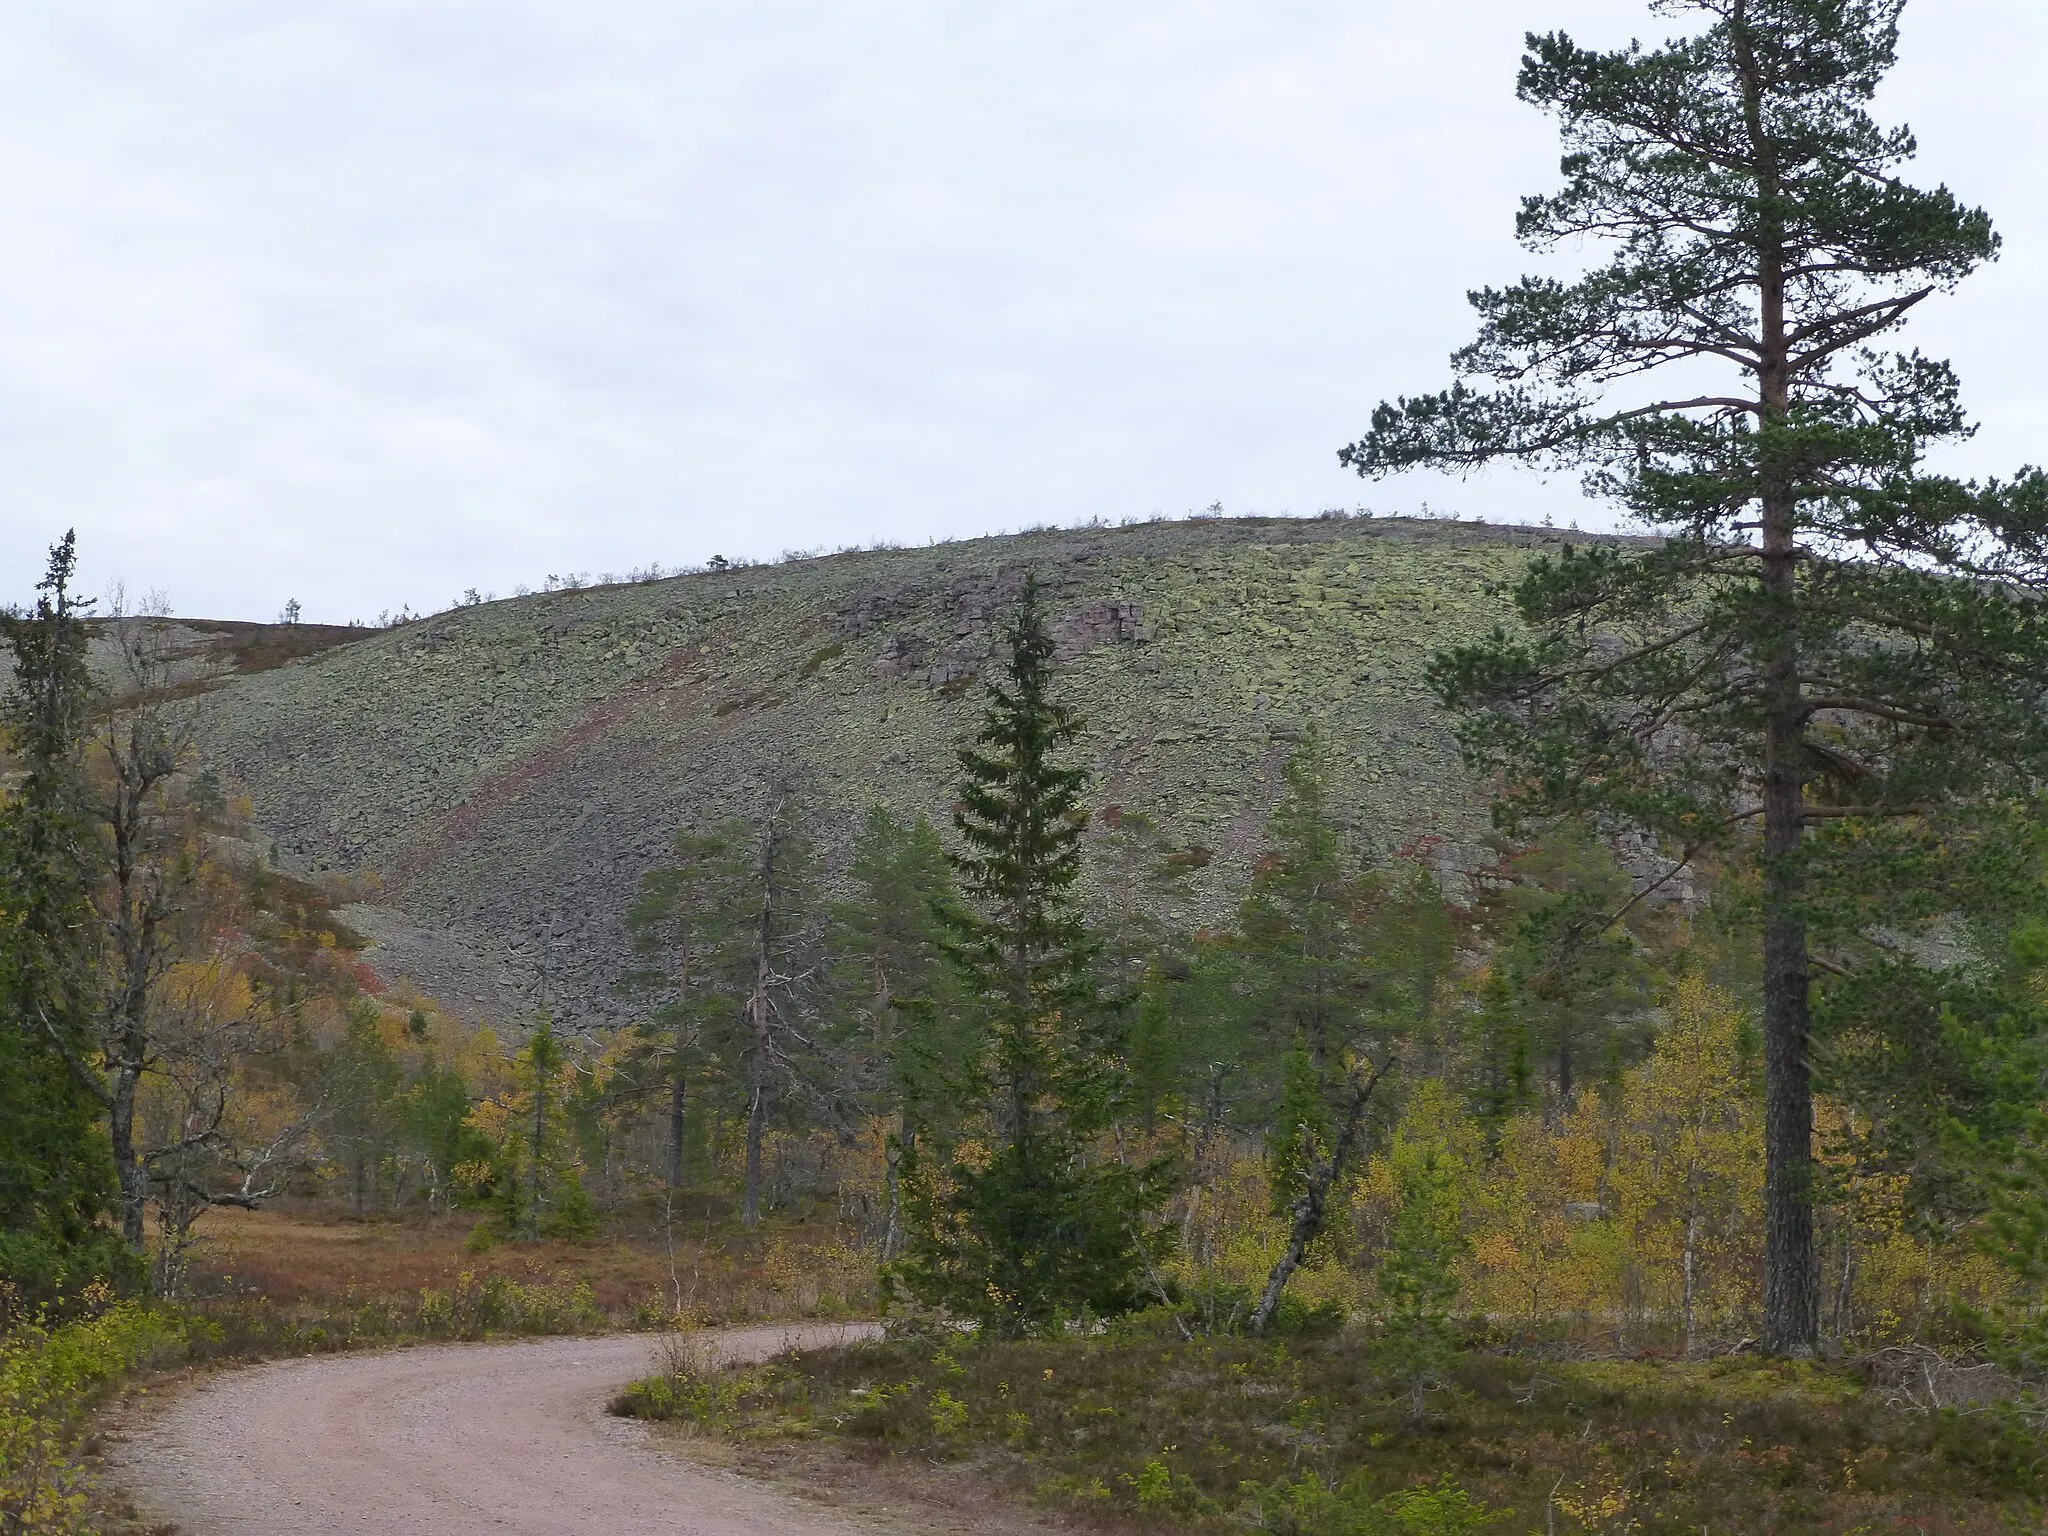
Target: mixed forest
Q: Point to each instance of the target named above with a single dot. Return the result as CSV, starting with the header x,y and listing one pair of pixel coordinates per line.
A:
x,y
1682,1164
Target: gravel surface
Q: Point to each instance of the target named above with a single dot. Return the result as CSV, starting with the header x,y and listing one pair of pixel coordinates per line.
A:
x,y
448,1441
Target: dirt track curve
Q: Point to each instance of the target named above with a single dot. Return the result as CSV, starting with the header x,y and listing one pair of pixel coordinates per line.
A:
x,y
450,1441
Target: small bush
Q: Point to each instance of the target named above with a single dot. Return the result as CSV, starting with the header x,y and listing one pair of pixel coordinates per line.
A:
x,y
1226,1311
38,1273
49,1378
1162,1491
949,1414
689,1388
476,1308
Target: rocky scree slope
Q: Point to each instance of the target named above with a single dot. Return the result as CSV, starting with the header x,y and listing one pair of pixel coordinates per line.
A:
x,y
505,773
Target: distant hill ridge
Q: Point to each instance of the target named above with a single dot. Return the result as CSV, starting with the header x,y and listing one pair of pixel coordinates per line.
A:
x,y
509,770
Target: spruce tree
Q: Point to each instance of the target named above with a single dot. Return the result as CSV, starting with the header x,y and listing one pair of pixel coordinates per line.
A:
x,y
1036,1226
359,1107
730,934
1824,636
55,1172
435,1118
1505,1072
1579,976
1418,1274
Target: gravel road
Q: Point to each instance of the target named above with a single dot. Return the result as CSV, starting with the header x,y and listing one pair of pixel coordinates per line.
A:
x,y
449,1441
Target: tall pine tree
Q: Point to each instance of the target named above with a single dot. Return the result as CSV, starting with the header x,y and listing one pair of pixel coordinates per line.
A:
x,y
900,1030
688,927
1797,651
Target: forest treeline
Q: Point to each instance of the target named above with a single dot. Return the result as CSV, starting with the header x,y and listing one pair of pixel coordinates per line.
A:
x,y
1535,1099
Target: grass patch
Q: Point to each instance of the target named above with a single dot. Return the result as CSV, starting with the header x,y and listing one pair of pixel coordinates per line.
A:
x,y
472,1308
1313,1435
822,657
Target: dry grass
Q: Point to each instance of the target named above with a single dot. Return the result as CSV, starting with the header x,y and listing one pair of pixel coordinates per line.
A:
x,y
306,1254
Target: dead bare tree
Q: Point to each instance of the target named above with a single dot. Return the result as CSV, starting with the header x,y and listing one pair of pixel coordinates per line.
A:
x,y
166,1063
784,962
212,1127
144,741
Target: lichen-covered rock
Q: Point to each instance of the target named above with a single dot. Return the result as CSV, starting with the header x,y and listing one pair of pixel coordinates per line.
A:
x,y
509,771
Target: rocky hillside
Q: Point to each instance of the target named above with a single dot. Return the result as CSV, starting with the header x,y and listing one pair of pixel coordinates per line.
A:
x,y
507,771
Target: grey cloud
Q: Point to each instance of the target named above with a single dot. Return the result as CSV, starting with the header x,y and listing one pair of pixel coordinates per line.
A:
x,y
367,303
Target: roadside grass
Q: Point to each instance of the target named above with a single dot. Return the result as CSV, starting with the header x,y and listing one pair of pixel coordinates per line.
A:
x,y
1316,1437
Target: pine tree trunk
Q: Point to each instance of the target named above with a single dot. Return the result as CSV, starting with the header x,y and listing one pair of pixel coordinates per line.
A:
x,y
759,1012
1791,1311
750,1191
1306,1227
760,1017
1791,1281
678,1088
1791,1284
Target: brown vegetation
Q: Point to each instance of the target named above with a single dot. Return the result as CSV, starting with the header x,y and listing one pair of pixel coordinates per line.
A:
x,y
304,1254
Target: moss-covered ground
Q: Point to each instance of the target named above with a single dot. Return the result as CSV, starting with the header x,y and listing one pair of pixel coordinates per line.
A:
x,y
1316,1436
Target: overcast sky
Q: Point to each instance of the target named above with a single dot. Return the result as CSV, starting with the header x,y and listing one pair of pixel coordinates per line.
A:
x,y
368,303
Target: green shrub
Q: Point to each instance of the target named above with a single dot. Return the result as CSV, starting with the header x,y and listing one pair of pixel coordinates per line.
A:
x,y
949,1414
688,1388
49,1377
1308,1506
1219,1310
1162,1491
476,1308
38,1271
